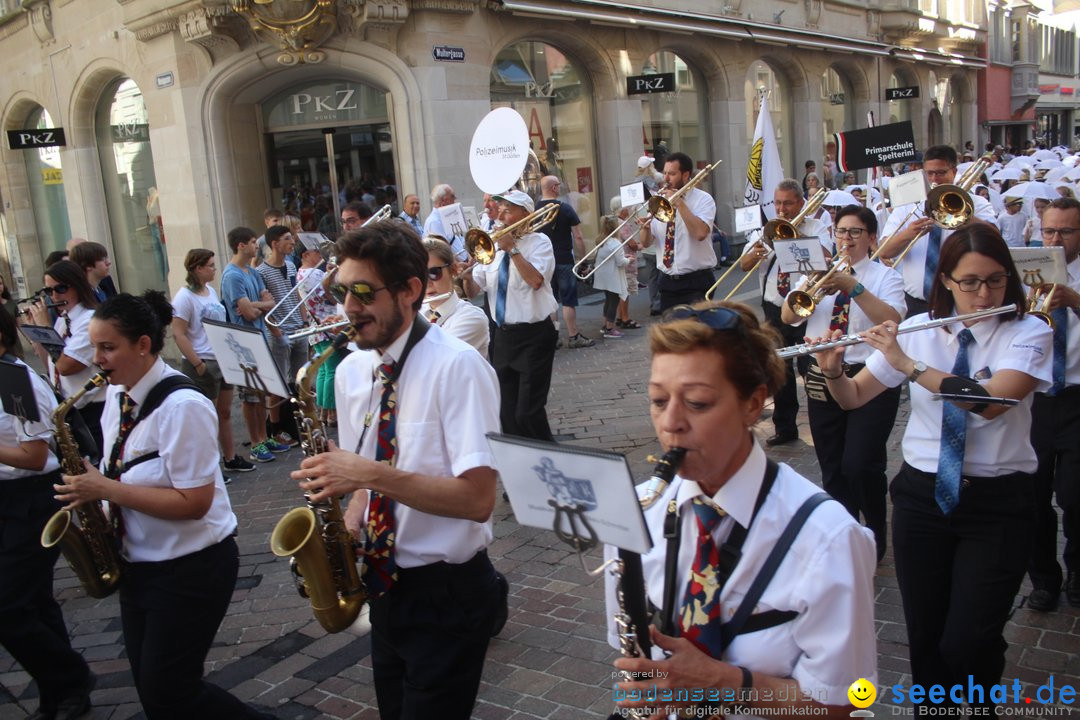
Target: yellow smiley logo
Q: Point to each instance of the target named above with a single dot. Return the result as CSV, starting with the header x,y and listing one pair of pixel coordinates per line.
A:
x,y
862,693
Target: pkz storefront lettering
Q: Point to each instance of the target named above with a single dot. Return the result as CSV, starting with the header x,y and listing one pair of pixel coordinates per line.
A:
x,y
647,84
36,138
902,93
544,90
339,101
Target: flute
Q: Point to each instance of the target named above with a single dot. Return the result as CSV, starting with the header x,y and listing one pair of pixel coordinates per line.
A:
x,y
810,348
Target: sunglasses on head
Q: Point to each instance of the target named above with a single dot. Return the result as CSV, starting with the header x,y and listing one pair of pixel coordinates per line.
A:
x,y
58,289
364,293
718,318
435,273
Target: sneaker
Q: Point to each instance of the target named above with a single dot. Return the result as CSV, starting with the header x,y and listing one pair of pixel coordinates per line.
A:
x,y
611,333
284,438
238,464
580,341
260,453
226,479
274,446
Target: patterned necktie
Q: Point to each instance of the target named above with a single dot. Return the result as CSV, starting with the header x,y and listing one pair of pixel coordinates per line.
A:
x,y
433,316
840,310
669,244
380,570
1061,344
700,612
500,295
783,284
113,469
933,252
953,436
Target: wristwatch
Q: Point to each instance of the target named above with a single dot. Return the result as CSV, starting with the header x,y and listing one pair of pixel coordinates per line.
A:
x,y
857,290
919,369
514,252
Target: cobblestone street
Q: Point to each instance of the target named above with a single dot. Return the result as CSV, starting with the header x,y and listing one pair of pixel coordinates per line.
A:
x,y
551,660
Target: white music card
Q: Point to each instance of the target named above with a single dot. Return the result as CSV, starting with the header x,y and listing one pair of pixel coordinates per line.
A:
x,y
1039,265
907,188
245,358
453,220
800,255
632,194
747,218
471,218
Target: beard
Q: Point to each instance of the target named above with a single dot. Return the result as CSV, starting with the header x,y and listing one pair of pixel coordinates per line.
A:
x,y
385,332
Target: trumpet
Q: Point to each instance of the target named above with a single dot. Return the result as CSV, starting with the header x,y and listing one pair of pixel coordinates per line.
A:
x,y
660,208
811,348
948,205
481,246
1038,303
804,301
777,229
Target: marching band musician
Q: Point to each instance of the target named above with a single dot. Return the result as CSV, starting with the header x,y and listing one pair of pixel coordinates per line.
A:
x,y
413,413
171,511
443,307
1055,425
919,266
32,627
684,252
850,444
812,634
67,287
518,288
963,501
775,285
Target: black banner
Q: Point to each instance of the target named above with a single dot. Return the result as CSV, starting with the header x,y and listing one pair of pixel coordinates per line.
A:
x,y
36,138
646,84
904,93
871,147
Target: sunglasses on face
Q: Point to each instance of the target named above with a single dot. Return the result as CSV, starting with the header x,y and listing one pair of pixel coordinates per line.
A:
x,y
720,318
435,273
364,293
57,289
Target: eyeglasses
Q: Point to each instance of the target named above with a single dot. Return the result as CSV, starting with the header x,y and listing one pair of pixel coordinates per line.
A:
x,y
853,233
937,173
435,273
718,318
1065,233
349,221
57,289
364,293
994,282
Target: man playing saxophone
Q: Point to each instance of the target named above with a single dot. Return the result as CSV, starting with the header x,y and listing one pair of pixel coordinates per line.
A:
x,y
413,412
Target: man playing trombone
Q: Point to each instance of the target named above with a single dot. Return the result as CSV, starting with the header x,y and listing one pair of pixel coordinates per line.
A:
x,y
907,225
684,251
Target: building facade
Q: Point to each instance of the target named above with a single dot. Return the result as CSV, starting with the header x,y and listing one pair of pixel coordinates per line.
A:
x,y
180,122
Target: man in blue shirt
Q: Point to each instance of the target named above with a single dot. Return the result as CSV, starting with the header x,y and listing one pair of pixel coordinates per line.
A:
x,y
246,300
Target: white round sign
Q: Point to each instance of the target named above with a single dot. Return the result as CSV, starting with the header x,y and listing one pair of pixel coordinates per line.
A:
x,y
499,150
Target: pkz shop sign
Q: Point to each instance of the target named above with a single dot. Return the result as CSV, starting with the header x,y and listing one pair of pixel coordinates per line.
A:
x,y
36,138
648,84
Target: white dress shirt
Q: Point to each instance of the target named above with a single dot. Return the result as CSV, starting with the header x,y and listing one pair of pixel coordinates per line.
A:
x,y
770,266
433,225
690,255
913,266
882,282
992,447
448,400
523,304
1072,355
463,320
76,321
827,577
183,430
14,431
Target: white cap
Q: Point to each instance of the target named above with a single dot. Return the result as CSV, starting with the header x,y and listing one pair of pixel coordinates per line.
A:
x,y
644,161
516,197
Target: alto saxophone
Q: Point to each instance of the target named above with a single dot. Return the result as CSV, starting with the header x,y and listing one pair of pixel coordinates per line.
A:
x,y
91,546
314,538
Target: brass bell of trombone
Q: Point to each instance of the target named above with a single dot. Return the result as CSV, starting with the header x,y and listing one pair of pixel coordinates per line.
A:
x,y
804,302
1039,302
482,247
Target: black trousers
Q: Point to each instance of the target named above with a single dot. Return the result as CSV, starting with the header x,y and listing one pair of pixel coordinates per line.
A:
x,y
683,289
958,575
850,447
429,634
523,356
1055,435
915,306
786,400
170,612
32,627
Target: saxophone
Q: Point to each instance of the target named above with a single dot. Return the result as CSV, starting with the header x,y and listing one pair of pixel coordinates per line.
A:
x,y
314,538
91,546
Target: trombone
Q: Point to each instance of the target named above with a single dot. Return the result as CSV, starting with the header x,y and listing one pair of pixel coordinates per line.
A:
x,y
326,327
949,206
804,301
481,246
660,208
778,229
304,298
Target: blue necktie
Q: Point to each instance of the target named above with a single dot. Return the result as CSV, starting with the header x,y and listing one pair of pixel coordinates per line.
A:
x,y
953,436
1061,343
500,295
933,252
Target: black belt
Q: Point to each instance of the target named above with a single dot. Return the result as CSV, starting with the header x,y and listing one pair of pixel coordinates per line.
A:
x,y
966,480
33,483
523,326
690,274
1067,391
438,573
